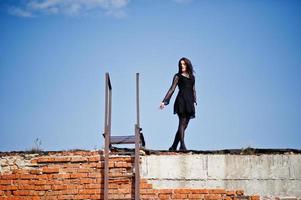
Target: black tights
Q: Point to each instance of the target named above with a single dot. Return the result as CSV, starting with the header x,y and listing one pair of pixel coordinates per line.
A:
x,y
183,123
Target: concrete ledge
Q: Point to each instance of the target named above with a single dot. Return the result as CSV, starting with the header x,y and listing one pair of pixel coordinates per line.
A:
x,y
274,175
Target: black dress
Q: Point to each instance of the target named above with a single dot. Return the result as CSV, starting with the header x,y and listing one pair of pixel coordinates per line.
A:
x,y
184,103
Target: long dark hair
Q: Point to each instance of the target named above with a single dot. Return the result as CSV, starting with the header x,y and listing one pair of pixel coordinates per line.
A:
x,y
189,66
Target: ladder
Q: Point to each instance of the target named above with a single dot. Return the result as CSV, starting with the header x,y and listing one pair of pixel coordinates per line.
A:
x,y
137,138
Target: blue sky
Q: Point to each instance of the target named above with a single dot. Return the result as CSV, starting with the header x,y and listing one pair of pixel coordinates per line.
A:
x,y
54,54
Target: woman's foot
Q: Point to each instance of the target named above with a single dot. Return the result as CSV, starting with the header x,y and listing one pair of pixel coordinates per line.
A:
x,y
183,148
172,148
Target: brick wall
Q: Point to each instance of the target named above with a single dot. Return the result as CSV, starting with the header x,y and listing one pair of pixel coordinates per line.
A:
x,y
79,175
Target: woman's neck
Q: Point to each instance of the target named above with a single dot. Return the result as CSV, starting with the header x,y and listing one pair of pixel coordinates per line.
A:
x,y
186,74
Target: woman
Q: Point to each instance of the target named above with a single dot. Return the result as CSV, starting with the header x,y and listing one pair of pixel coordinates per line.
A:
x,y
184,103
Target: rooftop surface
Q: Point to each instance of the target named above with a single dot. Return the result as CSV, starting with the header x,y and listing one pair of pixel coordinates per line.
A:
x,y
242,151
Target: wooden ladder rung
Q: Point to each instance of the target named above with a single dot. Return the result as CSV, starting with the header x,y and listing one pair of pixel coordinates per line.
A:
x,y
122,139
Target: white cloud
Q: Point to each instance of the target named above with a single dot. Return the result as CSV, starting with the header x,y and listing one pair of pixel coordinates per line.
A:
x,y
113,8
19,12
116,13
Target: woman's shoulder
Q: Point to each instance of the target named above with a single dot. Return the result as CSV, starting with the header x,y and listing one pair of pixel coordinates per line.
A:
x,y
177,75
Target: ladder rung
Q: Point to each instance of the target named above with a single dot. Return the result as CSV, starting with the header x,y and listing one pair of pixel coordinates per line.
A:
x,y
123,139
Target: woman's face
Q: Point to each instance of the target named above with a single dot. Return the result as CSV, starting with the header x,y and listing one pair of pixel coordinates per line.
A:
x,y
183,66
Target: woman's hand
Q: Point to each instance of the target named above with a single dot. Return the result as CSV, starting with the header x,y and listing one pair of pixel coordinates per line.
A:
x,y
162,105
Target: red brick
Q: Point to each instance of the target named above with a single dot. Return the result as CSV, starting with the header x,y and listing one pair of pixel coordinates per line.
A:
x,y
124,186
26,187
72,191
62,159
10,176
94,159
99,165
111,164
44,160
8,187
87,180
164,196
113,186
147,191
124,191
145,186
54,193
165,191
82,197
217,191
61,176
5,182
255,197
50,170
79,159
113,191
65,197
119,164
200,191
45,176
69,170
21,182
78,175
182,191
37,193
59,187
43,187
50,197
40,182
179,196
89,191
213,197
89,165
22,192
116,196
94,175
75,186
231,192
27,176
85,170
19,171
95,196
92,186
148,196
56,181
35,171
195,196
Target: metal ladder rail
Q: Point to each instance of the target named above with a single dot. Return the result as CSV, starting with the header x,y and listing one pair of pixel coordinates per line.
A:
x,y
137,143
121,139
107,132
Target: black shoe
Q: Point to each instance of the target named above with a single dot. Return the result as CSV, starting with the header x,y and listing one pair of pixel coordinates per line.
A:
x,y
172,148
183,148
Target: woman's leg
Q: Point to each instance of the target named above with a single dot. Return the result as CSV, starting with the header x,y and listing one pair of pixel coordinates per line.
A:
x,y
183,123
175,142
182,127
